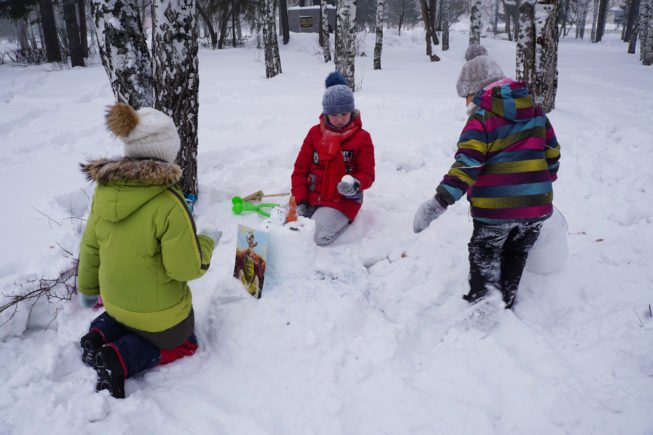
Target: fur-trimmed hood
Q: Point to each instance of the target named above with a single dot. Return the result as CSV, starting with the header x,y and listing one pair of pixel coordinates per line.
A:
x,y
125,185
146,171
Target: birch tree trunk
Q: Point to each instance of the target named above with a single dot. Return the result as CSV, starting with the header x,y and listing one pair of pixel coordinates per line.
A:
x,y
50,37
525,50
595,16
345,47
537,51
546,54
123,51
324,30
176,79
270,43
72,33
646,32
378,46
444,19
475,23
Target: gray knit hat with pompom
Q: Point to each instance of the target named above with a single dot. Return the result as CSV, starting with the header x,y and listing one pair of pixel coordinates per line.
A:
x,y
337,98
479,71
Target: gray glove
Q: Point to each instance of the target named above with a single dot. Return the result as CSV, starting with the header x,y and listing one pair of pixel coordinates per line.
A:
x,y
302,209
215,235
348,186
88,301
427,212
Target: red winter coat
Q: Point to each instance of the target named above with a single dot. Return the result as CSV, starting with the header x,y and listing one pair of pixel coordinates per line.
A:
x,y
328,154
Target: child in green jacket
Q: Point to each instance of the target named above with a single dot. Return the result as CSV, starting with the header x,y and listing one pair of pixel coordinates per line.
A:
x,y
138,251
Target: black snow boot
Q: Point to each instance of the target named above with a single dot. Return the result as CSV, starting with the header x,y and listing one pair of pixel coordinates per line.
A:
x,y
110,374
91,344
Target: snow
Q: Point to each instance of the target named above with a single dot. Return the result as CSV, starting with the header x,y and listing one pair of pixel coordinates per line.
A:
x,y
368,335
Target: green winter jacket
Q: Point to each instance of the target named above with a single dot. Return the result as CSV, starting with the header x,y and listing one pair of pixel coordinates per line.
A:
x,y
140,245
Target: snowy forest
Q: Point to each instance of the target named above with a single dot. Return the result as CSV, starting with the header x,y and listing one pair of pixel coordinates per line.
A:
x,y
369,334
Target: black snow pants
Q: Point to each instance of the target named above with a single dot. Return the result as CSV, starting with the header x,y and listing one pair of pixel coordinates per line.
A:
x,y
497,256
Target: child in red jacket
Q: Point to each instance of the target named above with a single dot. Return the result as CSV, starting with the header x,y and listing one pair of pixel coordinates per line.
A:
x,y
335,164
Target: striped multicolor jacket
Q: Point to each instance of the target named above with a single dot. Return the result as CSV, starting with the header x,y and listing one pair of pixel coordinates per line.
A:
x,y
507,157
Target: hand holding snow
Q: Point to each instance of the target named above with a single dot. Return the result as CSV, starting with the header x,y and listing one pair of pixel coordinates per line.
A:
x,y
427,212
348,186
215,235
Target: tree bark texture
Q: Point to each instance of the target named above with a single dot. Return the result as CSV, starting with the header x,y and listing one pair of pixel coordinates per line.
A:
x,y
324,30
646,32
345,46
429,35
475,24
270,43
123,50
283,21
525,50
378,44
600,20
444,21
72,33
176,78
83,28
633,11
546,54
595,18
51,39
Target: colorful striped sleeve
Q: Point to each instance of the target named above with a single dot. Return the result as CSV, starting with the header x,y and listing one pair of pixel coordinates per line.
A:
x,y
552,152
469,160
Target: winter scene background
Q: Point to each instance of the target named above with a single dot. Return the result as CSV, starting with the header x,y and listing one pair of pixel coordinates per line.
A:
x,y
365,336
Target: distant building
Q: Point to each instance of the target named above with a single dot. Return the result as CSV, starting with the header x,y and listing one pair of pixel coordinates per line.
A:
x,y
306,19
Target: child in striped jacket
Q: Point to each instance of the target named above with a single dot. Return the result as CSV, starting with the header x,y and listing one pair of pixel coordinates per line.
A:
x,y
506,162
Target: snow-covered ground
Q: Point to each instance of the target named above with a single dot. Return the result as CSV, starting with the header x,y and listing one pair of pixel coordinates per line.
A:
x,y
368,338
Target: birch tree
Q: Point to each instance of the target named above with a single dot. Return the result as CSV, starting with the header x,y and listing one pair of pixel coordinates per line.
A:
x,y
525,45
270,43
176,78
324,30
123,50
475,23
646,32
537,51
444,20
345,46
378,45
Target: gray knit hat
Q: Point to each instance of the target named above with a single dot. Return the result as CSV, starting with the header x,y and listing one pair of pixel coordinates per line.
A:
x,y
338,98
479,71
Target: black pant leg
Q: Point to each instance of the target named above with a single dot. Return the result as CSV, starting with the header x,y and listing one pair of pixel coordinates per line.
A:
x,y
485,248
520,240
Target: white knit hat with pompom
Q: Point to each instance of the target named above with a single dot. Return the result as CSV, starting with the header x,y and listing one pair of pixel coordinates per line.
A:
x,y
146,133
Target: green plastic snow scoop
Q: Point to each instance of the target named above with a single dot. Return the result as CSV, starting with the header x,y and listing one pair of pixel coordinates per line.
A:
x,y
239,205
